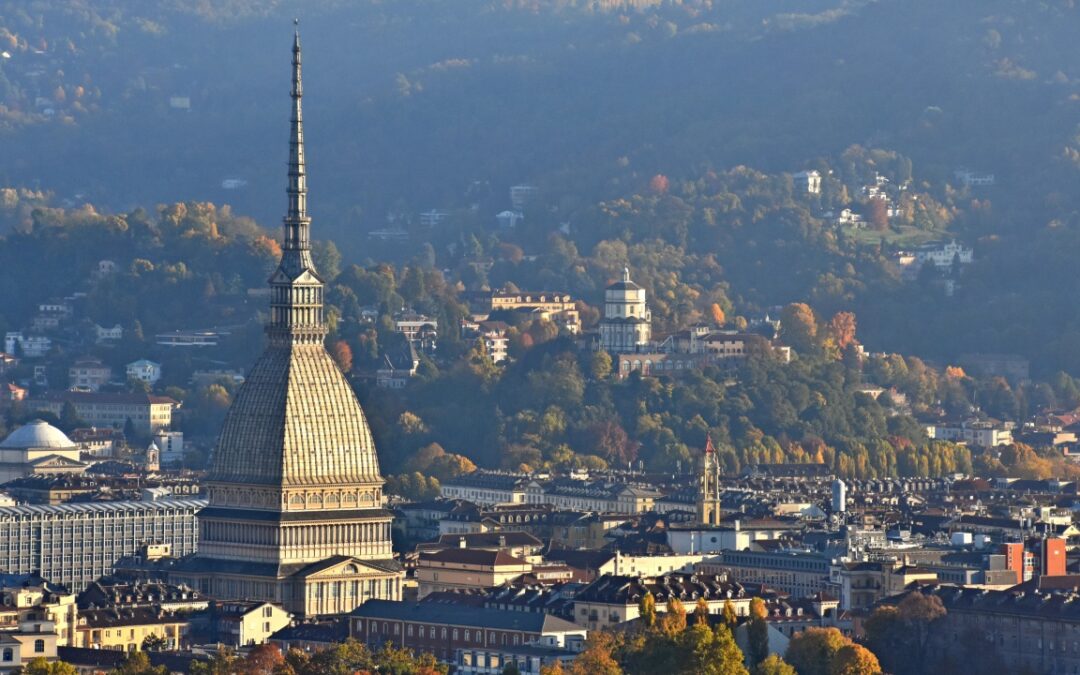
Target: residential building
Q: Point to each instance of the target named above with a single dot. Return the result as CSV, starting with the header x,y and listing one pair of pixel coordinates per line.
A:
x,y
1052,557
27,598
464,568
627,322
97,442
614,599
129,630
486,488
11,393
29,346
188,338
111,334
88,374
75,544
559,308
808,182
242,624
1015,631
494,335
296,511
976,433
443,629
144,370
861,584
521,195
421,331
944,255
800,574
148,413
400,362
735,534
32,640
171,445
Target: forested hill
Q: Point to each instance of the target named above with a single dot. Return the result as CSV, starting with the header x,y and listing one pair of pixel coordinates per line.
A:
x,y
411,101
416,104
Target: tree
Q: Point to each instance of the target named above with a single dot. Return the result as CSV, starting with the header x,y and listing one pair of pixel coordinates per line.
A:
x,y
674,620
647,609
774,665
138,663
701,611
511,669
712,652
798,327
842,329
718,316
854,659
758,631
731,619
553,668
343,356
40,666
263,660
597,658
69,418
600,365
154,643
877,214
811,651
659,184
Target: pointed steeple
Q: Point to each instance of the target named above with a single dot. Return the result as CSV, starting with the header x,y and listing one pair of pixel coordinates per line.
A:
x,y
296,300
297,223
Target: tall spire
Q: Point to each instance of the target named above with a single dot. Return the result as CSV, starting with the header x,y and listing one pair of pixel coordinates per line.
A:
x,y
297,223
296,290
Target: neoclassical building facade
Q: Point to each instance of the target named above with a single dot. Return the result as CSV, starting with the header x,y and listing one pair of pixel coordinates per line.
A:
x,y
295,512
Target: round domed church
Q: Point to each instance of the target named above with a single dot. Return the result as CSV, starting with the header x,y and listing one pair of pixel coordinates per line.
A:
x,y
38,448
296,507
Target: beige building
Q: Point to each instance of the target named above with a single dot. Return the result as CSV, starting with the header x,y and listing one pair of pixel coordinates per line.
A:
x,y
242,624
128,630
33,600
613,599
559,308
88,374
147,412
463,568
296,512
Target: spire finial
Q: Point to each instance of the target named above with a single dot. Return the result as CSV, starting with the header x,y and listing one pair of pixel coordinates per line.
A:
x,y
626,274
296,305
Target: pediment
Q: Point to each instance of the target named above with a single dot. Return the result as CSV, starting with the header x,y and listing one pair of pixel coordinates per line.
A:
x,y
339,567
56,462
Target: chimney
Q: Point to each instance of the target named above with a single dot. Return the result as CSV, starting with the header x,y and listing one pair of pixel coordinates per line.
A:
x,y
502,541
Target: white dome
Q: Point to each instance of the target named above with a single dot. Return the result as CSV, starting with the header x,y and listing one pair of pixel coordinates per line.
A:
x,y
37,434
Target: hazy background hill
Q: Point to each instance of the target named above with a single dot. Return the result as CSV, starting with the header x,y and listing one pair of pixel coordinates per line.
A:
x,y
408,102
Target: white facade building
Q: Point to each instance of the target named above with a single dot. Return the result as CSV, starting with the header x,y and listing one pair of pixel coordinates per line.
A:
x,y
144,370
627,322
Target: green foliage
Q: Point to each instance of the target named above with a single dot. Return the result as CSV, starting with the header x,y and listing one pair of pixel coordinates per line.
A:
x,y
773,665
39,666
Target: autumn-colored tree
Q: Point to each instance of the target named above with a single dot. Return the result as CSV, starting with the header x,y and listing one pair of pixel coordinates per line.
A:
x,y
758,631
597,657
659,184
811,652
263,660
342,353
701,611
710,652
774,665
138,663
877,213
854,659
718,316
798,327
842,329
673,621
553,668
731,618
647,609
955,373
